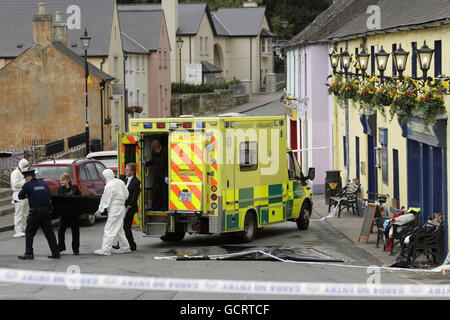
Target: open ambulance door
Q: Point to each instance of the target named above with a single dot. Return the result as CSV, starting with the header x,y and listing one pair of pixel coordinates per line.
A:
x,y
129,151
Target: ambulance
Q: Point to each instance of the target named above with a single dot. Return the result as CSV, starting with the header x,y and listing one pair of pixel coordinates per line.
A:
x,y
230,174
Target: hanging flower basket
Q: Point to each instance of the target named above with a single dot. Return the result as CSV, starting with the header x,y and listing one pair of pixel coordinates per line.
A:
x,y
137,109
350,89
365,98
403,105
129,110
431,104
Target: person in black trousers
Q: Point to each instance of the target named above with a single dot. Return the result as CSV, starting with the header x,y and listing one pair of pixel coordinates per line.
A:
x,y
68,219
160,172
134,189
39,198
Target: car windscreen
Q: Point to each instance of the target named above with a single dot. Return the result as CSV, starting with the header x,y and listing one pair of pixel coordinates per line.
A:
x,y
52,172
108,161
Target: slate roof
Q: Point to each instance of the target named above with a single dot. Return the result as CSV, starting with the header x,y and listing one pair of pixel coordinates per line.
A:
x,y
209,68
189,14
238,22
16,24
140,29
79,60
398,14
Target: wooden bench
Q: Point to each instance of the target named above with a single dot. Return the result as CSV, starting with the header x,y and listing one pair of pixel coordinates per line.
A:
x,y
400,231
346,199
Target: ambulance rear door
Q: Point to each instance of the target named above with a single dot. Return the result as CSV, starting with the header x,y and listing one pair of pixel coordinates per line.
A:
x,y
186,176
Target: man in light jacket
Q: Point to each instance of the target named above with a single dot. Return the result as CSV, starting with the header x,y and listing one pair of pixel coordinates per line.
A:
x,y
21,206
113,200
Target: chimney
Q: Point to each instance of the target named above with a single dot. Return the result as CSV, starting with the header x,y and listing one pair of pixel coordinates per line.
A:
x,y
250,4
42,27
170,8
60,29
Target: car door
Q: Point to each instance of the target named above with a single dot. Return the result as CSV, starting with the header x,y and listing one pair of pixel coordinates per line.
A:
x,y
295,188
96,181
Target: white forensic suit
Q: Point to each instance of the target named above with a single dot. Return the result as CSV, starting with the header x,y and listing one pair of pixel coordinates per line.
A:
x,y
21,206
113,200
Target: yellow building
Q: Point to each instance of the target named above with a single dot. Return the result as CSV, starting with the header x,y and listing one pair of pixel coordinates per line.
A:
x,y
402,159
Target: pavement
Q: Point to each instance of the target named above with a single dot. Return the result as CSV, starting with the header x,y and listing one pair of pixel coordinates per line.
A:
x,y
257,100
350,225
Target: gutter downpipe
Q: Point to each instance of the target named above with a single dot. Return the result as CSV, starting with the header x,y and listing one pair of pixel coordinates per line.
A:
x,y
102,92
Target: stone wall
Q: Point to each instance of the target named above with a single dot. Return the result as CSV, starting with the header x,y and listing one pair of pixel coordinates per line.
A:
x,y
198,104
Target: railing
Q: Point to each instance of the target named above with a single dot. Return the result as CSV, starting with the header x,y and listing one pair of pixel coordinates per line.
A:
x,y
54,147
76,141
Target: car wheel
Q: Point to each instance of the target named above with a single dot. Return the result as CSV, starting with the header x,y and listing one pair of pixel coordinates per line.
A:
x,y
303,219
249,228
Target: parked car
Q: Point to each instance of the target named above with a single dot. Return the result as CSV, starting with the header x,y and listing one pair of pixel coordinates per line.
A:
x,y
108,158
85,173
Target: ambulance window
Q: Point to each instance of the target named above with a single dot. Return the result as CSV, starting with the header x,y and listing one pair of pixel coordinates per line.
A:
x,y
293,167
248,155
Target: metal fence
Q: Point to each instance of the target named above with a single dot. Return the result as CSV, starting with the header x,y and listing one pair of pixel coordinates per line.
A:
x,y
77,140
54,147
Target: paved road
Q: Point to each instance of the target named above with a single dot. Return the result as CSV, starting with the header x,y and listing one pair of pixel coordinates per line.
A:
x,y
321,237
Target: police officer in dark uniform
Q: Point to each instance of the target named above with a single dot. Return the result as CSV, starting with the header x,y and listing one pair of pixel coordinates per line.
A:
x,y
38,194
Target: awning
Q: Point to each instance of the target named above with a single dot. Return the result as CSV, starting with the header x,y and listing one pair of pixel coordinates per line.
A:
x,y
209,68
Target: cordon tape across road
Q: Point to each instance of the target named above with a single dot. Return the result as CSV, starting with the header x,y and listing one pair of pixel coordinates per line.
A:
x,y
78,281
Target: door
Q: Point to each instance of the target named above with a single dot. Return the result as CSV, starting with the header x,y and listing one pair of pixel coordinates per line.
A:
x,y
87,183
231,214
295,189
186,171
129,152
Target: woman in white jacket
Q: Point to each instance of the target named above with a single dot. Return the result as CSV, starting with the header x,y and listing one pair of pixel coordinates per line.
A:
x,y
113,200
21,206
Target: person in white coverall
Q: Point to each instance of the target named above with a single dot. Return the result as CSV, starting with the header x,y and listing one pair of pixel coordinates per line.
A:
x,y
113,200
21,206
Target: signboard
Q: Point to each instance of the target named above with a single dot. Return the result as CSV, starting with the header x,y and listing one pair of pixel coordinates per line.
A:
x,y
118,90
369,217
194,74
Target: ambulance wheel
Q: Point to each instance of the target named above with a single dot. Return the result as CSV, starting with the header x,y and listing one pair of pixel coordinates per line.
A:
x,y
250,227
176,236
303,219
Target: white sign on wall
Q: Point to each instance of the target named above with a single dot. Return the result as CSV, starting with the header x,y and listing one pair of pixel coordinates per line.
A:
x,y
194,74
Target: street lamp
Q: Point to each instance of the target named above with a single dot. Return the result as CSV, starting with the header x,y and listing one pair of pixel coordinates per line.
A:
x,y
363,61
180,45
425,56
382,58
334,60
345,61
85,41
400,59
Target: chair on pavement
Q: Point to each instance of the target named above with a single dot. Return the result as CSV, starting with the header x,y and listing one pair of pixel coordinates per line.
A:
x,y
346,199
399,231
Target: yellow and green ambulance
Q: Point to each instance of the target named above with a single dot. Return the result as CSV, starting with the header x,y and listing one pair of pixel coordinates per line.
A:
x,y
229,174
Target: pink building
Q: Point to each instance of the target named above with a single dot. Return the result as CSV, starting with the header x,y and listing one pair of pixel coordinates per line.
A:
x,y
147,66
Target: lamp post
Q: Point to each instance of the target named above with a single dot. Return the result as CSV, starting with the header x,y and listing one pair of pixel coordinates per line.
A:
x,y
85,41
180,45
400,59
425,56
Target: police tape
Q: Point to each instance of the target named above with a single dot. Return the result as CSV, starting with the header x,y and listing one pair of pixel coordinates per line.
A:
x,y
78,281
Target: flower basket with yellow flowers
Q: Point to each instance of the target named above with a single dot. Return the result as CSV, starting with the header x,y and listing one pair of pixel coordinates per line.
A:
x,y
365,97
350,89
431,104
403,105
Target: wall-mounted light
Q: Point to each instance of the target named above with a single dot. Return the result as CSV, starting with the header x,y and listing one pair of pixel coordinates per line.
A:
x,y
425,56
382,58
363,61
400,60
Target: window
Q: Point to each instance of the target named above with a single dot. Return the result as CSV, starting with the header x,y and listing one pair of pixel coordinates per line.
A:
x,y
92,172
437,58
201,46
116,66
345,151
138,100
372,60
394,68
248,155
293,167
206,45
